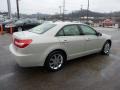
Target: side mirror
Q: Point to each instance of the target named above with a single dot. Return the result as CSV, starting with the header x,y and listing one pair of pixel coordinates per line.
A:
x,y
99,34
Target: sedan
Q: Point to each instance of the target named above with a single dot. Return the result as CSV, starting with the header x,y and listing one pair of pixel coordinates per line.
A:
x,y
52,44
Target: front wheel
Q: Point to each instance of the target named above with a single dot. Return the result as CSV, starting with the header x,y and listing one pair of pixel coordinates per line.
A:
x,y
106,48
55,61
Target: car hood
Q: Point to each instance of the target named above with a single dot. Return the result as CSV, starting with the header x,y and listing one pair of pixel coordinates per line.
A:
x,y
107,36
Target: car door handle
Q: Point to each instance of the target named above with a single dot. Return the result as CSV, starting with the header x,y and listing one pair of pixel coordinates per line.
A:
x,y
65,41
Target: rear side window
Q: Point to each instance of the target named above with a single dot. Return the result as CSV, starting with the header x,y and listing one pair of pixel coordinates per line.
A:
x,y
70,30
87,30
61,33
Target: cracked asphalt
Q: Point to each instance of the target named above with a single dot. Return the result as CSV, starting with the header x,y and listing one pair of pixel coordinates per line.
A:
x,y
93,72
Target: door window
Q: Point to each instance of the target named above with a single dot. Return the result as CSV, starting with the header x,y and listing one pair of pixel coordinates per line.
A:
x,y
71,30
87,30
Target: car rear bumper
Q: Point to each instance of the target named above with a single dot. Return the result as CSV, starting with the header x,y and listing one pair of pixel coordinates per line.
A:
x,y
27,60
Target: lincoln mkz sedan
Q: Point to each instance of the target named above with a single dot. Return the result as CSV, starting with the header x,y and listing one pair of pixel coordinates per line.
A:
x,y
52,44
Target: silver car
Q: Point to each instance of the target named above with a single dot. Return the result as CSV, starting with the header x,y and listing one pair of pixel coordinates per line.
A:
x,y
52,44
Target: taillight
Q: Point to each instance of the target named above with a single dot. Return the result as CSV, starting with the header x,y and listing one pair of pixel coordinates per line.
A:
x,y
22,43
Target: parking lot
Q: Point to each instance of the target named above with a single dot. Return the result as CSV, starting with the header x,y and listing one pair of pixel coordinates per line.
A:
x,y
93,72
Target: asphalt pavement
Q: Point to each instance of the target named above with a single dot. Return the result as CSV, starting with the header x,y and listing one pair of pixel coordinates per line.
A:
x,y
93,72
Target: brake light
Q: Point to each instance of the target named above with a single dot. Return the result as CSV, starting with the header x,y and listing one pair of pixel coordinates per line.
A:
x,y
22,43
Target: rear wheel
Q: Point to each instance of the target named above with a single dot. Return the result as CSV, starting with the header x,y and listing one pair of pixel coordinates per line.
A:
x,y
106,48
55,61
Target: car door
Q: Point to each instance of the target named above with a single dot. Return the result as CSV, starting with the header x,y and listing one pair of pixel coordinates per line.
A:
x,y
71,39
91,38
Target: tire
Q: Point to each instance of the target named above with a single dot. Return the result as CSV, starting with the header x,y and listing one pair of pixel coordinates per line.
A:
x,y
106,48
52,64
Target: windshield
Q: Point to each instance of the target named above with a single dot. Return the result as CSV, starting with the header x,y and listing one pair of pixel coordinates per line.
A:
x,y
42,28
19,22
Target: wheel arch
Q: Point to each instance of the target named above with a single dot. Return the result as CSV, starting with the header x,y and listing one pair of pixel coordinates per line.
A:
x,y
61,50
110,41
107,41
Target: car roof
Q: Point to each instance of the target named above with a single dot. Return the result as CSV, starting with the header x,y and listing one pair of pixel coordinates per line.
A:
x,y
66,23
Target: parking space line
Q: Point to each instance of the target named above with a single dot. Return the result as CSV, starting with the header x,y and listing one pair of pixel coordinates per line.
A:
x,y
114,56
6,76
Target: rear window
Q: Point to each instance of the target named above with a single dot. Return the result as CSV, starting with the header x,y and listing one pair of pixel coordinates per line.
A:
x,y
18,22
42,28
